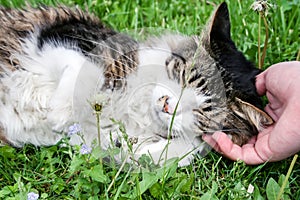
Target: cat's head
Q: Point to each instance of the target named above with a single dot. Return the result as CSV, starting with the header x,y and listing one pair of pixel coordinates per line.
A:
x,y
212,65
213,49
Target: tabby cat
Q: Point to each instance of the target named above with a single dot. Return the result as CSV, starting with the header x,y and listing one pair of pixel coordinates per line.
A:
x,y
56,64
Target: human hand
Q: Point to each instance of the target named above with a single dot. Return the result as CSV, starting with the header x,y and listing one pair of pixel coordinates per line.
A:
x,y
281,84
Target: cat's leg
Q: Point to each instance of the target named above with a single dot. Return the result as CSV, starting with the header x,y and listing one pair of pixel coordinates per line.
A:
x,y
3,139
63,67
36,101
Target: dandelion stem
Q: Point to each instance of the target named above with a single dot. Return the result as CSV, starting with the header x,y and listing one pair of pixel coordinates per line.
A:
x,y
266,39
258,42
98,113
298,56
287,177
98,128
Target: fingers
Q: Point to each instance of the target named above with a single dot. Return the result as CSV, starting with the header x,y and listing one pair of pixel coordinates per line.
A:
x,y
214,142
211,142
260,83
223,144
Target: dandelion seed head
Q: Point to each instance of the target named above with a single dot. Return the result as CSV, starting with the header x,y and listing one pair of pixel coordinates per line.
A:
x,y
98,101
32,196
85,149
74,129
260,5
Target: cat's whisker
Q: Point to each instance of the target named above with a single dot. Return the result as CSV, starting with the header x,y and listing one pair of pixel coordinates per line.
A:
x,y
115,60
108,47
222,130
106,57
128,70
157,49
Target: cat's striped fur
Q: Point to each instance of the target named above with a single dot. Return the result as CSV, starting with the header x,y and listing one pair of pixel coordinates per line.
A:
x,y
65,24
207,66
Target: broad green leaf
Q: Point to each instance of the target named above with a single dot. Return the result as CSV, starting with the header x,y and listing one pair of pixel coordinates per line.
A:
x,y
98,152
76,163
189,182
149,178
209,196
272,189
183,182
44,196
7,152
93,198
257,195
5,191
179,186
214,187
155,190
168,169
59,185
96,173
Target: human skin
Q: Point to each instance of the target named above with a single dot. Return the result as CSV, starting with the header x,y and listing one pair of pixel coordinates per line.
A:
x,y
281,84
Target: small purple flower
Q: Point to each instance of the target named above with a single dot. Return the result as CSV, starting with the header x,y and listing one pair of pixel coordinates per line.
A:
x,y
32,196
85,149
75,128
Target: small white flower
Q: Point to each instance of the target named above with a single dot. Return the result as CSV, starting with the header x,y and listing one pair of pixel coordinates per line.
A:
x,y
75,128
250,189
85,149
32,196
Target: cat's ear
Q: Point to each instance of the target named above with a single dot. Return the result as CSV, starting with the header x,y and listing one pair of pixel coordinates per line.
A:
x,y
220,26
218,40
257,117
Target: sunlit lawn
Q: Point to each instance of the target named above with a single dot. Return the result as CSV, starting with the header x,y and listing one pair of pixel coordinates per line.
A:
x,y
63,173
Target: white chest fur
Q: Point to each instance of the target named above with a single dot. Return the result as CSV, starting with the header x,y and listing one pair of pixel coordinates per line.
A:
x,y
36,104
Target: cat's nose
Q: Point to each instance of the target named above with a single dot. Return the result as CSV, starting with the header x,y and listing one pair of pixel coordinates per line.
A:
x,y
168,107
163,101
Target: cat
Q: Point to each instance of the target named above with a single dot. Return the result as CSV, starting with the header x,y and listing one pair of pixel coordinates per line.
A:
x,y
56,63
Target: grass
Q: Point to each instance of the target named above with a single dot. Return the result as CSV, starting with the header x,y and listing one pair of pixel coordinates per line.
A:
x,y
63,173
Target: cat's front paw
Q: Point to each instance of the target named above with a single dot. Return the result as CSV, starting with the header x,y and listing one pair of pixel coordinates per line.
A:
x,y
175,65
58,117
